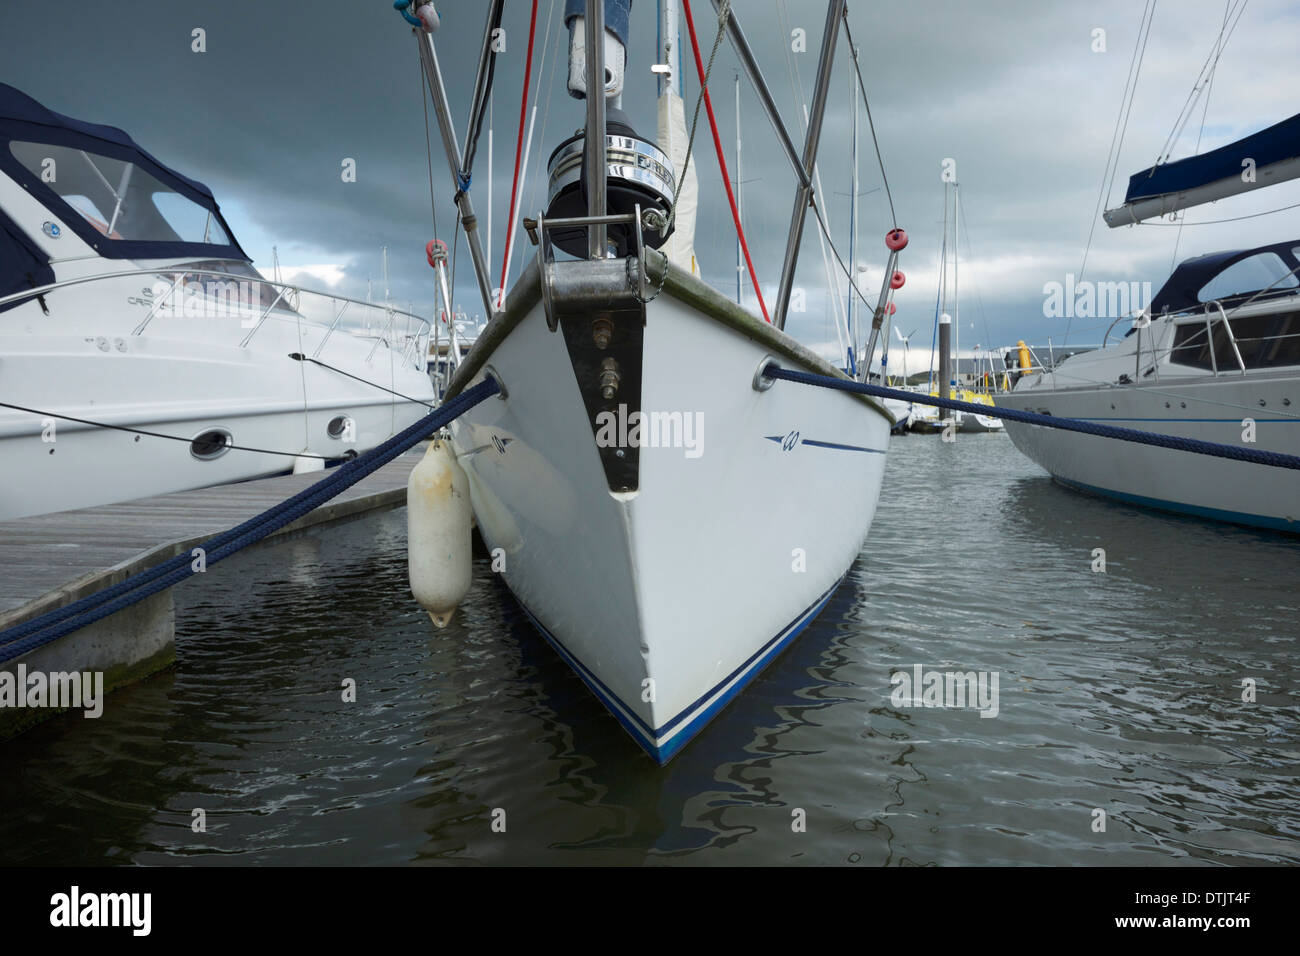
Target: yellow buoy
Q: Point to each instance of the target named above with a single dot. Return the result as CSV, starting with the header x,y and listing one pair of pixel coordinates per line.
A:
x,y
438,521
1025,362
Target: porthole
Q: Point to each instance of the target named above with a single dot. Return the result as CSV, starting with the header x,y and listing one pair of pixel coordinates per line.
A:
x,y
340,426
211,444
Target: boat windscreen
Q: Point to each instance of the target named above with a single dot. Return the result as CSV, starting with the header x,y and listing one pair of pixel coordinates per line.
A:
x,y
115,195
119,199
1265,270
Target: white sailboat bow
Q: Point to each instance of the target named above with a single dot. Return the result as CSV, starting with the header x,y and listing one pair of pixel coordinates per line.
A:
x,y
667,517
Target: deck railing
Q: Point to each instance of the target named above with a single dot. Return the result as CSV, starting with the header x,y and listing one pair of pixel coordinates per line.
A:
x,y
197,293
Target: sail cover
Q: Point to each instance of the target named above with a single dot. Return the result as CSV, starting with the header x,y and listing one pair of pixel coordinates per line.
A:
x,y
1262,159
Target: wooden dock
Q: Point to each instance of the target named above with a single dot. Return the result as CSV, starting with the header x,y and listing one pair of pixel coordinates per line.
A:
x,y
51,560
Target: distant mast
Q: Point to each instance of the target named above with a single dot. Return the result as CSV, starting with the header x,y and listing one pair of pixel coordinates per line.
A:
x,y
956,290
853,250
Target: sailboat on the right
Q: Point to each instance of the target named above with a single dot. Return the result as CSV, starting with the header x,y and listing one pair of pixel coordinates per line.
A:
x,y
1216,356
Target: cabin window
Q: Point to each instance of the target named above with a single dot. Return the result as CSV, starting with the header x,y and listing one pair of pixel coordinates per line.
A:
x,y
1265,341
117,198
1265,270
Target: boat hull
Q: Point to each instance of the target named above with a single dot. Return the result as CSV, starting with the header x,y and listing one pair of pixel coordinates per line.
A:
x,y
669,599
95,381
1216,488
974,422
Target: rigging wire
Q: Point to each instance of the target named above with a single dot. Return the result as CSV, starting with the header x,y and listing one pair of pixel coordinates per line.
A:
x,y
546,109
1202,80
816,208
476,122
717,142
519,147
428,149
1209,88
150,434
1112,155
302,357
848,33
724,12
979,300
1215,222
1128,113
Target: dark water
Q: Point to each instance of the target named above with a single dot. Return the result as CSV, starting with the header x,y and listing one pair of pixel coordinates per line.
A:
x,y
1118,691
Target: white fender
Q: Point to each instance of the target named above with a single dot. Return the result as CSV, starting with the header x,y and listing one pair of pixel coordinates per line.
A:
x,y
306,463
438,521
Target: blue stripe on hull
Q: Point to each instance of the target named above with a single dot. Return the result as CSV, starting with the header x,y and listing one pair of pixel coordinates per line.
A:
x,y
1214,514
649,738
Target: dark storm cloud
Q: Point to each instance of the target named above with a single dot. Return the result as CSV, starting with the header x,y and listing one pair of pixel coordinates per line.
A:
x,y
1012,91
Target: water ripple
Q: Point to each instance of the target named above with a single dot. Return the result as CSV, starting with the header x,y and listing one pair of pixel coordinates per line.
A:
x,y
1119,692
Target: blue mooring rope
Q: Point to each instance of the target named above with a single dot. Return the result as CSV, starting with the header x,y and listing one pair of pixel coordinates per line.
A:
x,y
41,630
1193,445
52,625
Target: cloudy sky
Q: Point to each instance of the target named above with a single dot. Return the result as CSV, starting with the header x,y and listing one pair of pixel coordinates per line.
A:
x,y
1013,91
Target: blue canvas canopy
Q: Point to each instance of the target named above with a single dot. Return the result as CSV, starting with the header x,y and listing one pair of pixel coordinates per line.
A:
x,y
1181,290
22,263
1268,146
24,120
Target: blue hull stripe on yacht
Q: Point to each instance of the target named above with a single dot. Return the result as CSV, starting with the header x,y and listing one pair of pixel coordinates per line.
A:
x,y
649,738
838,447
1217,514
826,444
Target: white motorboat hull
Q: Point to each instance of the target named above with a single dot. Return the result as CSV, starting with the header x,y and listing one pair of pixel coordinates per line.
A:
x,y
1207,487
668,600
182,376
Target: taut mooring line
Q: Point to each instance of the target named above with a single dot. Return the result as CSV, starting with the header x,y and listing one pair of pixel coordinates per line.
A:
x,y
1193,445
52,625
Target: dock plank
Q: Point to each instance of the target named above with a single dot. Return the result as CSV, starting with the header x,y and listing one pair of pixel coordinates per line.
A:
x,y
49,560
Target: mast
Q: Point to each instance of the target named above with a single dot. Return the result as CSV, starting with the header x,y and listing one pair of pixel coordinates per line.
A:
x,y
669,67
956,297
442,109
746,57
853,238
594,137
941,292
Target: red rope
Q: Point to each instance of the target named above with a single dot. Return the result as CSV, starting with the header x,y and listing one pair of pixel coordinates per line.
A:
x,y
722,162
519,148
